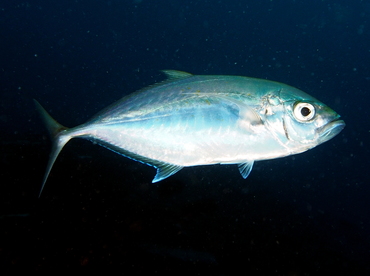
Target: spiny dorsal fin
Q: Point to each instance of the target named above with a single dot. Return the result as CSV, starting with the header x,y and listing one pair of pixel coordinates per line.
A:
x,y
175,75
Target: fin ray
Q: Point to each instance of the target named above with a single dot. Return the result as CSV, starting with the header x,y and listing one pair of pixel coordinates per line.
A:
x,y
245,168
165,170
59,136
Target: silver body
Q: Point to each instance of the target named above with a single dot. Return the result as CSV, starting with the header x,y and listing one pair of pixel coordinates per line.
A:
x,y
192,120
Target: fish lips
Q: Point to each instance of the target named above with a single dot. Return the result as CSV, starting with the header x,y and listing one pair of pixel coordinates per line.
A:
x,y
330,130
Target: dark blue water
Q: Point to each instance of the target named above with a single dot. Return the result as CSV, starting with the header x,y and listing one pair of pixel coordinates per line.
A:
x,y
301,215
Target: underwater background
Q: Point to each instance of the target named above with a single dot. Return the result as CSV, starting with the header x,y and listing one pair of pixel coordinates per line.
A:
x,y
306,214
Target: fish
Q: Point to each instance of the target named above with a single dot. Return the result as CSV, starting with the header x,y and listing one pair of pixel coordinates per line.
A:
x,y
191,120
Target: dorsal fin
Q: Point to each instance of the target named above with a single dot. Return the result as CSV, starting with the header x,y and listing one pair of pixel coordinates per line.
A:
x,y
175,75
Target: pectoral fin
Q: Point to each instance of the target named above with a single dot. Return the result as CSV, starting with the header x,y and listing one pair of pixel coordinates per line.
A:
x,y
245,168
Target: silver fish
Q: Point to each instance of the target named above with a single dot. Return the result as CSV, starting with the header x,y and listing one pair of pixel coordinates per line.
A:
x,y
191,120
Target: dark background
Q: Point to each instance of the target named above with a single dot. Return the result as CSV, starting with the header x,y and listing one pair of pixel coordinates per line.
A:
x,y
300,215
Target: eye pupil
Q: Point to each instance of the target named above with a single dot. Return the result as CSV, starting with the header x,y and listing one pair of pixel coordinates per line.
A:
x,y
305,111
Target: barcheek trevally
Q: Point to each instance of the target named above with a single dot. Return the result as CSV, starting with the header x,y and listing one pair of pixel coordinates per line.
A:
x,y
191,120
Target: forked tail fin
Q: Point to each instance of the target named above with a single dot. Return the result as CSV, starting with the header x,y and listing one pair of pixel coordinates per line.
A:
x,y
59,135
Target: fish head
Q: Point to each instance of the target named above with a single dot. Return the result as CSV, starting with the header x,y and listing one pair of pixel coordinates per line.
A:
x,y
308,122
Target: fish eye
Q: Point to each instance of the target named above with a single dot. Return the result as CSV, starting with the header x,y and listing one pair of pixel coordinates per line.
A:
x,y
303,111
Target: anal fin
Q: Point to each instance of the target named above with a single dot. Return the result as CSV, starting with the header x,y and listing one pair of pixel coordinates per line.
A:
x,y
245,168
165,170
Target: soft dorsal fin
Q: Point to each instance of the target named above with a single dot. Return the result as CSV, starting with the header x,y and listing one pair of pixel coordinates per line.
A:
x,y
175,75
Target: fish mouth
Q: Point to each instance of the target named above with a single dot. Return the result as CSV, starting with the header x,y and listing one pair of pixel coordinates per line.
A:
x,y
330,130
